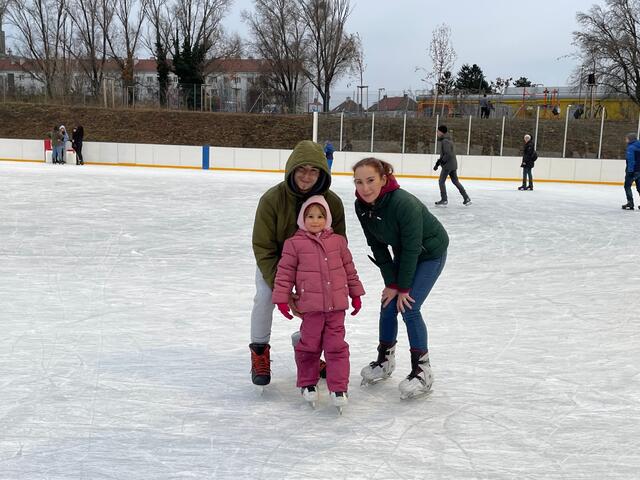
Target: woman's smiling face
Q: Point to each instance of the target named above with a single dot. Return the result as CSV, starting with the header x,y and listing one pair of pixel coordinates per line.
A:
x,y
368,182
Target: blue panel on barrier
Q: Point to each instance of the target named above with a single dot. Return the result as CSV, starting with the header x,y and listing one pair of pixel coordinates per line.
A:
x,y
205,157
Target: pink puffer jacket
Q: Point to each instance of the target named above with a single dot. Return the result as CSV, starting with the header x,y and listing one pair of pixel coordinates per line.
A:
x,y
320,266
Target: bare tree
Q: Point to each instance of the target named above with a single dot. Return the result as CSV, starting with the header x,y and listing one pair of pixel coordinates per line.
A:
x,y
443,57
331,48
278,36
158,41
91,19
608,44
124,38
3,8
358,66
39,26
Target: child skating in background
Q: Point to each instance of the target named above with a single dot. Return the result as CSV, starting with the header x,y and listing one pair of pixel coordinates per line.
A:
x,y
318,263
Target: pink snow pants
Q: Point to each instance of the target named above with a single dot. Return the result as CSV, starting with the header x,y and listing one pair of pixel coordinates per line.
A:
x,y
323,331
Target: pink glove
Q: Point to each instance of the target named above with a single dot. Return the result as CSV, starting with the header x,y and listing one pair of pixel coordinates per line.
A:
x,y
284,310
356,303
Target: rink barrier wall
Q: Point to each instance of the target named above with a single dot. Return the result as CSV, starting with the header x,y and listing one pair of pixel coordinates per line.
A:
x,y
475,167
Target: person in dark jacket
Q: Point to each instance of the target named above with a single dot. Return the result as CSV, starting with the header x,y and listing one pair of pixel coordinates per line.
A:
x,y
393,217
449,164
77,137
632,172
529,156
306,174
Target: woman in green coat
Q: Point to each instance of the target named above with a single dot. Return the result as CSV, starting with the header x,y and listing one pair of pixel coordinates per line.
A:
x,y
392,217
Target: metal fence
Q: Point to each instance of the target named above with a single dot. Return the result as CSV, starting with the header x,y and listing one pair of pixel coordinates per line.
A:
x,y
566,137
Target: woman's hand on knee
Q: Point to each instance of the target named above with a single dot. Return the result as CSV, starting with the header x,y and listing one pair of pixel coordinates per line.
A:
x,y
388,294
404,301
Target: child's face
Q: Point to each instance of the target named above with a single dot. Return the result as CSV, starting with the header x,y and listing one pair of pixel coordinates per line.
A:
x,y
314,219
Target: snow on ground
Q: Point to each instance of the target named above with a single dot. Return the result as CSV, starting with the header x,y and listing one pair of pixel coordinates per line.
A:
x,y
125,296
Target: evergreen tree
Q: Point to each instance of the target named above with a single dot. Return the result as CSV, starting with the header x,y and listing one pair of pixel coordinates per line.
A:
x,y
522,82
471,79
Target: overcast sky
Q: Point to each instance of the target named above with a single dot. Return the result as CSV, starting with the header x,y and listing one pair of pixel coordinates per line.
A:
x,y
505,38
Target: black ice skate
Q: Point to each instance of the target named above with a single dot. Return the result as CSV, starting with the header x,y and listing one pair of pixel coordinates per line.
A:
x,y
419,381
260,364
441,203
467,201
383,367
627,206
530,187
522,187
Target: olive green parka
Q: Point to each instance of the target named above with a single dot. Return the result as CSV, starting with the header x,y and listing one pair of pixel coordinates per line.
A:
x,y
277,212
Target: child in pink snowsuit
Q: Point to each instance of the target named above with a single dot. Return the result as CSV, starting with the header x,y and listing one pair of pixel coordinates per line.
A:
x,y
318,263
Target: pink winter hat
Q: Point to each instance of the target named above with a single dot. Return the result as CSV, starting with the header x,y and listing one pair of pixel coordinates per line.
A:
x,y
319,199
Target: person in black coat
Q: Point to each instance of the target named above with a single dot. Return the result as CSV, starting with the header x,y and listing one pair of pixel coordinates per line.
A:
x,y
529,156
77,137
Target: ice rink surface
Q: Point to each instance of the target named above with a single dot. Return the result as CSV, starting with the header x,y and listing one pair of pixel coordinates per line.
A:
x,y
125,296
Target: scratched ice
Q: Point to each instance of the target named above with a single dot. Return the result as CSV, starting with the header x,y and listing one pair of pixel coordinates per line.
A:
x,y
124,303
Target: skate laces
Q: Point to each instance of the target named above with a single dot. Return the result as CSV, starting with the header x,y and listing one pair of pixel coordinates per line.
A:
x,y
260,363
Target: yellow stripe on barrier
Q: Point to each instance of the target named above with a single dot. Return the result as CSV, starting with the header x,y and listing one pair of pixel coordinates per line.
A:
x,y
20,160
145,165
435,177
255,170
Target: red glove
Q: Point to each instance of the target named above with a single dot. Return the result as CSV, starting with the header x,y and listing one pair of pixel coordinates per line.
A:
x,y
356,303
284,310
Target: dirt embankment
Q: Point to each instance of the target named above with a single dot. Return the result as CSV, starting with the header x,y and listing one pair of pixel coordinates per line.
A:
x,y
30,121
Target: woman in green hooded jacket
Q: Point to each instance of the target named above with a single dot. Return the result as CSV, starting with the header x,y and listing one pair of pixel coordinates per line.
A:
x,y
392,217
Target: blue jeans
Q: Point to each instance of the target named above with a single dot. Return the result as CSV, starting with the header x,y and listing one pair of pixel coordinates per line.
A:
x,y
526,172
427,273
629,178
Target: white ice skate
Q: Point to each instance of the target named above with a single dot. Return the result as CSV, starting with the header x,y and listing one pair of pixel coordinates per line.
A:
x,y
383,367
419,381
310,394
339,400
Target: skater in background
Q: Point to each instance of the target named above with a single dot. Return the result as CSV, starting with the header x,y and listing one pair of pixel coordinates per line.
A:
x,y
529,156
328,152
449,164
485,107
55,142
63,143
77,137
318,263
306,174
393,217
632,171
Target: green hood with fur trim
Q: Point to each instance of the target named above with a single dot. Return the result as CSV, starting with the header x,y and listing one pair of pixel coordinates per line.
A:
x,y
277,212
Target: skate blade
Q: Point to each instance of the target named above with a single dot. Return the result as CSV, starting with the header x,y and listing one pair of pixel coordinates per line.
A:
x,y
339,410
259,389
366,382
411,396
